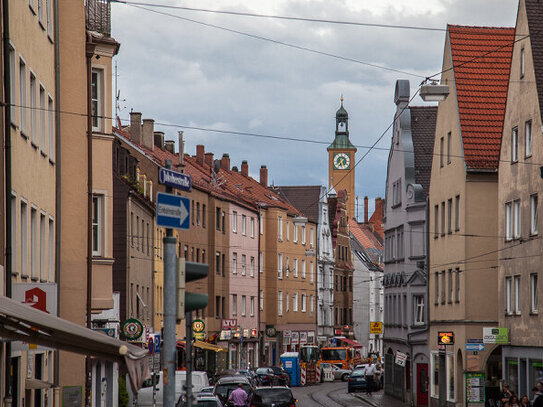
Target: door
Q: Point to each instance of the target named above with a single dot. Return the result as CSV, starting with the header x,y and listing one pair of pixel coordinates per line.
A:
x,y
422,384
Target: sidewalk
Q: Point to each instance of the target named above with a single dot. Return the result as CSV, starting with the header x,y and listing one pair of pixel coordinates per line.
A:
x,y
380,399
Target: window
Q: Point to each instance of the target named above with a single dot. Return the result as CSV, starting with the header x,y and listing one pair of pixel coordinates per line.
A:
x,y
218,218
243,264
311,273
43,251
295,268
303,268
280,228
522,63
234,263
33,110
218,262
295,302
43,133
436,221
217,306
533,214
441,146
34,243
96,99
311,304
287,302
442,294
223,309
243,305
457,213
303,234
304,303
252,267
295,233
450,377
243,225
516,219
252,306
97,220
434,376
234,305
198,213
223,264
311,238
508,295
280,303
397,193
234,222
514,145
133,231
261,300
261,262
508,221
14,251
49,19
516,288
13,88
528,138
280,266
442,218
449,147
287,230
451,288
533,293
261,223
449,216
419,309
203,215
22,96
252,227
457,285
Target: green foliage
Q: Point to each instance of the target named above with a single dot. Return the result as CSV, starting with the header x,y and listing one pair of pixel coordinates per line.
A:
x,y
123,393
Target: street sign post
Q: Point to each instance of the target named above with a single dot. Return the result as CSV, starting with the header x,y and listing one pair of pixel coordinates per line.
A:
x,y
475,347
172,211
174,179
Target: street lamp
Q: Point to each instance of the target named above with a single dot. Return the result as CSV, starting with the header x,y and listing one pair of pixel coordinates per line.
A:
x,y
433,92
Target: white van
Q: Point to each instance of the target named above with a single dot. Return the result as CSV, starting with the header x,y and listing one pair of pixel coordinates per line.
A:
x,y
145,394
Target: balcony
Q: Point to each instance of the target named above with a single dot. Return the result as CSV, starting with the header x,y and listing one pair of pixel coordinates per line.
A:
x,y
98,16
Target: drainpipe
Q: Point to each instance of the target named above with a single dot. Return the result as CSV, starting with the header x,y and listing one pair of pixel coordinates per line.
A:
x,y
58,179
258,317
7,185
89,54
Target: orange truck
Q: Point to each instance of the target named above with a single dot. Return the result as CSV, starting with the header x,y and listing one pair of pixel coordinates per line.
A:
x,y
344,356
310,361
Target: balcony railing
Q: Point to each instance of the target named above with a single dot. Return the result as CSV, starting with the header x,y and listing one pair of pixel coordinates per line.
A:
x,y
98,16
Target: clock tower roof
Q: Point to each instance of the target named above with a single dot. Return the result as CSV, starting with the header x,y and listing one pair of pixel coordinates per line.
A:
x,y
341,141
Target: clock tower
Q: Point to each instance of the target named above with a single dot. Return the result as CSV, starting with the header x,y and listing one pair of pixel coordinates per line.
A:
x,y
341,160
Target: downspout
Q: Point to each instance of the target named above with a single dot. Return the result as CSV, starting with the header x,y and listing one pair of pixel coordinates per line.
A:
x,y
58,191
260,343
7,185
427,308
89,54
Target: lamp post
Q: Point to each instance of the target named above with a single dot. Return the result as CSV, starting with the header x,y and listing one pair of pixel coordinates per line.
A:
x,y
433,92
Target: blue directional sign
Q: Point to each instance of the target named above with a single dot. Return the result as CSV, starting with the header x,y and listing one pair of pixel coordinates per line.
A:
x,y
172,211
475,347
174,179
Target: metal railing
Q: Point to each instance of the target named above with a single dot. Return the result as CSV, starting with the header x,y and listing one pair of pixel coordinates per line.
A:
x,y
98,16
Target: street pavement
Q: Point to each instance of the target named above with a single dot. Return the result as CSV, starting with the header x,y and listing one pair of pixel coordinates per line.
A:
x,y
334,394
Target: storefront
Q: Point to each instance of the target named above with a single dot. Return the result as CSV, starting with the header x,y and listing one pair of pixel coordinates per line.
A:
x,y
522,368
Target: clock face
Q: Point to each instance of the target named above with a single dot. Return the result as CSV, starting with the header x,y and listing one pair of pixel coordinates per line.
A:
x,y
341,161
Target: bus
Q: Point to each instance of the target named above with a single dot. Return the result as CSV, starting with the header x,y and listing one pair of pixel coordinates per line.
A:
x,y
342,356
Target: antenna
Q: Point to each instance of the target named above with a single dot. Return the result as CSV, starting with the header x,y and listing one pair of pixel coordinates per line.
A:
x,y
117,94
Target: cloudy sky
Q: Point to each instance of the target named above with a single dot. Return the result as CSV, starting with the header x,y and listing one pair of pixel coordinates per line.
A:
x,y
180,68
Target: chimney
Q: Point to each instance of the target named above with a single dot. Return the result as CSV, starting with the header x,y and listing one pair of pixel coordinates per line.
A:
x,y
209,159
264,176
244,168
148,133
135,127
181,148
169,145
225,162
159,139
235,169
200,152
379,208
365,209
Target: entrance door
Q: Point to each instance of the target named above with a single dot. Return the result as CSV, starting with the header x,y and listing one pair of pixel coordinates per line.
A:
x,y
422,384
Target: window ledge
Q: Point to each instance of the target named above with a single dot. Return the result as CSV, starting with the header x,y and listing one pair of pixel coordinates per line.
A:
x,y
34,278
34,144
23,134
534,234
534,313
43,153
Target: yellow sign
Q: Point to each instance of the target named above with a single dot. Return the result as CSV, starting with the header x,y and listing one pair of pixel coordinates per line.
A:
x,y
376,328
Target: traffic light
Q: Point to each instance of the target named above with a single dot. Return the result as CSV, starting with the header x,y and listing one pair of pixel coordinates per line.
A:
x,y
187,301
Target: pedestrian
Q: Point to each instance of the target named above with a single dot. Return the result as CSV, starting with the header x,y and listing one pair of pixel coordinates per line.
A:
x,y
370,379
238,397
538,400
506,394
534,394
525,402
513,401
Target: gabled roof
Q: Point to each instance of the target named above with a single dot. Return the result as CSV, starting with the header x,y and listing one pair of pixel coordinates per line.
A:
x,y
368,240
534,12
305,198
423,128
481,58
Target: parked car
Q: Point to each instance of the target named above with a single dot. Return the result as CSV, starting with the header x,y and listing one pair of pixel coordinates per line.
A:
x,y
145,394
249,374
208,400
282,375
266,377
378,372
340,373
227,384
206,390
273,396
357,381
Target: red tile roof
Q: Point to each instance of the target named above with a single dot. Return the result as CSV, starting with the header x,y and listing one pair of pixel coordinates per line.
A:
x,y
366,237
481,60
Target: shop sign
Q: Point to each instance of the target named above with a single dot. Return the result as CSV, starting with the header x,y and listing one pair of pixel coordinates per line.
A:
x,y
496,335
132,329
311,337
254,333
229,323
337,331
233,347
198,326
225,335
303,338
199,336
445,338
376,328
286,333
42,296
246,333
475,387
401,359
271,331
295,338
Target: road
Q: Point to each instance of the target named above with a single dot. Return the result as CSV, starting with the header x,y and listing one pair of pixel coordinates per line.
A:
x,y
334,394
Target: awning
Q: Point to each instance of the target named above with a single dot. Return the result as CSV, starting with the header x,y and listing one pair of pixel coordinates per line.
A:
x,y
203,345
354,344
31,383
20,322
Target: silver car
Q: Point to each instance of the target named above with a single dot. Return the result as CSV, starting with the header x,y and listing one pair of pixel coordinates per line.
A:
x,y
341,373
